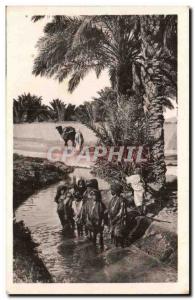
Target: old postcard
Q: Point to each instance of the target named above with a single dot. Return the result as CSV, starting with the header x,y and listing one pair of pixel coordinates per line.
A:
x,y
97,150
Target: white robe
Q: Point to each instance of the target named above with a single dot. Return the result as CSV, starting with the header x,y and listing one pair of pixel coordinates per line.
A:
x,y
138,188
78,140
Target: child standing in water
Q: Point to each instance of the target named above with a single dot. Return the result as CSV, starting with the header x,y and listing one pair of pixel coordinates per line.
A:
x,y
59,199
63,199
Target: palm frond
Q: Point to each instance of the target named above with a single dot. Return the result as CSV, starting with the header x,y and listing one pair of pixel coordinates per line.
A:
x,y
37,18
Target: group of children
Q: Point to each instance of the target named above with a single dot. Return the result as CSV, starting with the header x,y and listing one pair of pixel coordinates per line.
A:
x,y
71,200
120,212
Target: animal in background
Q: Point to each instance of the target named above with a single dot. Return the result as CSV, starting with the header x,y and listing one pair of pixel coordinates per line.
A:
x,y
68,134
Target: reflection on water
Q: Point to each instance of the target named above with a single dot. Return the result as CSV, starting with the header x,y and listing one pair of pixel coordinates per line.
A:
x,y
76,259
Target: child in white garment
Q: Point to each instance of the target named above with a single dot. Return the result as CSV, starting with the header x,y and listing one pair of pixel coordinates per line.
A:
x,y
78,140
138,186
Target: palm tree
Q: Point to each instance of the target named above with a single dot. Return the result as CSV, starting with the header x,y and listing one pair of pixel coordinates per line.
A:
x,y
101,103
72,46
159,75
70,112
138,51
29,108
59,111
19,111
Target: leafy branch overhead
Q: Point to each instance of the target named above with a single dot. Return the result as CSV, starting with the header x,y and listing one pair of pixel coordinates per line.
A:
x,y
139,53
73,46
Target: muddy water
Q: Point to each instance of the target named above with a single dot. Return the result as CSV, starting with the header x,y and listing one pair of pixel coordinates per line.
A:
x,y
76,259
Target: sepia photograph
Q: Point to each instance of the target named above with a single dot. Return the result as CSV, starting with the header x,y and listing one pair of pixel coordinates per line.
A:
x,y
98,150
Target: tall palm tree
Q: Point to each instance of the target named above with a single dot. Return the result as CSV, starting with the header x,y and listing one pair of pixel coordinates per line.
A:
x,y
138,51
159,76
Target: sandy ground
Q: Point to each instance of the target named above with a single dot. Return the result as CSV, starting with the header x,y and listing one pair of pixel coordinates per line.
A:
x,y
37,139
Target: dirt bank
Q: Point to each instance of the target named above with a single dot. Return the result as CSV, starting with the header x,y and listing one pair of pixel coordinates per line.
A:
x,y
160,238
27,266
31,174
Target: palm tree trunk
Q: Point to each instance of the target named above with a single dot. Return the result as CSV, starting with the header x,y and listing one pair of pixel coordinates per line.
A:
x,y
153,89
58,112
156,136
124,79
15,115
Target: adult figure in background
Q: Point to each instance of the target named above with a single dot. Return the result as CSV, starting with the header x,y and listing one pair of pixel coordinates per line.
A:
x,y
79,140
138,185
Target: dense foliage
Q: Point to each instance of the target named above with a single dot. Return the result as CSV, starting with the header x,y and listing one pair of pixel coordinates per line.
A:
x,y
29,108
140,54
